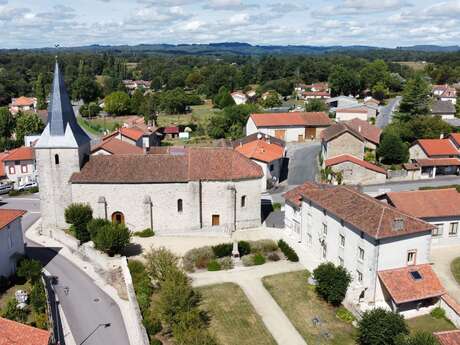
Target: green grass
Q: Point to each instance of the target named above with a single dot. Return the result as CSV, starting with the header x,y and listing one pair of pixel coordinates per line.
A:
x,y
455,269
85,124
200,115
301,304
233,318
427,323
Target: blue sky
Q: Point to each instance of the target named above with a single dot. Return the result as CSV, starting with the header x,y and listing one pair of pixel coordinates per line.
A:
x,y
385,23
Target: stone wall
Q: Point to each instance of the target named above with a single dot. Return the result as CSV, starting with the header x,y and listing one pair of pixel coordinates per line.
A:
x,y
345,144
356,174
416,152
452,309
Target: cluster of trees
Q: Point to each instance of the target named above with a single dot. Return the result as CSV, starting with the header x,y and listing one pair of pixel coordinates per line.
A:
x,y
108,237
231,121
174,309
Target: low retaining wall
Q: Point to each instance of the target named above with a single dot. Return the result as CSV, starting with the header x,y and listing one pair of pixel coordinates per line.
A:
x,y
452,309
69,241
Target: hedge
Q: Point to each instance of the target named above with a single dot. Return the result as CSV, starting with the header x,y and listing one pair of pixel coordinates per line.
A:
x,y
290,254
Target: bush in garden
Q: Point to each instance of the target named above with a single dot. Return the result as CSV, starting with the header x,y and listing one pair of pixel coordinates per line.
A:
x,y
155,342
273,257
160,263
258,259
332,282
214,265
151,323
345,315
13,313
381,327
37,297
94,225
191,329
226,263
197,258
438,313
222,250
41,320
145,233
112,238
244,248
142,284
290,253
418,338
29,269
263,246
248,260
79,216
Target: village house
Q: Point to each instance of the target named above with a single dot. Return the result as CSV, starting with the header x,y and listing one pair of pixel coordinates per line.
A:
x,y
341,102
239,97
22,104
315,90
445,109
295,126
445,93
342,138
132,85
266,151
113,146
356,171
439,207
350,113
138,134
19,166
15,333
179,190
11,240
369,132
309,95
386,251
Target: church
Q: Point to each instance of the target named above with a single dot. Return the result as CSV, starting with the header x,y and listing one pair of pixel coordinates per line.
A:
x,y
170,190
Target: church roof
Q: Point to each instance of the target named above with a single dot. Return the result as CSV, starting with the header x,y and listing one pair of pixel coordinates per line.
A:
x,y
188,164
62,129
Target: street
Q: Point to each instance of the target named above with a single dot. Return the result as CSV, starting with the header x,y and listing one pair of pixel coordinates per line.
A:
x,y
303,162
87,308
385,116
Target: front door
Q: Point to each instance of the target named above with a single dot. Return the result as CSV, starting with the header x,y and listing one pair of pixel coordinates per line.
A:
x,y
280,133
310,133
215,220
300,137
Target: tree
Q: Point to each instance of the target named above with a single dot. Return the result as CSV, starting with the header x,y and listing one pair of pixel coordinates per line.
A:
x,y
117,103
380,91
13,313
29,269
38,297
79,215
85,88
416,99
392,149
40,92
374,73
418,338
95,224
90,110
137,99
112,238
381,327
272,100
27,124
150,107
7,123
160,262
332,282
230,123
223,99
315,105
344,82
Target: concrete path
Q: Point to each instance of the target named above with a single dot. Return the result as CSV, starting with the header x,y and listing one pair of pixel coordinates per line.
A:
x,y
442,258
249,279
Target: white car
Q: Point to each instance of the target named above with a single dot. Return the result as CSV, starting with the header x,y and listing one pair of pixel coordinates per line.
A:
x,y
28,186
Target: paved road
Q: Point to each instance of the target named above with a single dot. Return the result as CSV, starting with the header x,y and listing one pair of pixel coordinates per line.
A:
x,y
385,116
410,185
85,306
442,257
303,162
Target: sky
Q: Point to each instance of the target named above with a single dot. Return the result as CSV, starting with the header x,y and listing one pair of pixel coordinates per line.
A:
x,y
383,23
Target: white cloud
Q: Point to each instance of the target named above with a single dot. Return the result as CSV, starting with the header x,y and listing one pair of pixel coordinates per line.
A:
x,y
227,5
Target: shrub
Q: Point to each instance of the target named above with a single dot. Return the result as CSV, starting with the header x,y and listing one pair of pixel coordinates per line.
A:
x,y
197,258
160,262
418,338
13,313
244,248
151,323
142,284
345,315
29,269
222,250
145,233
263,246
248,260
14,192
332,282
438,313
155,341
290,254
33,190
258,259
112,238
38,297
79,216
226,263
276,206
41,320
381,327
273,257
214,265
94,225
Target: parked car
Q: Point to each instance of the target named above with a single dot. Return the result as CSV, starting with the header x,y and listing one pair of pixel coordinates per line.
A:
x,y
27,186
6,188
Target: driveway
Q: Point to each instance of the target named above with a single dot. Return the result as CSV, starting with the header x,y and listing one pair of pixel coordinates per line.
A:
x,y
386,112
303,162
442,258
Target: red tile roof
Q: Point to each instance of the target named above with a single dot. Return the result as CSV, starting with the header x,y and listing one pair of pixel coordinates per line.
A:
x,y
117,147
448,337
427,203
15,333
294,196
352,110
9,215
179,165
171,130
131,133
365,213
261,150
403,288
451,302
369,132
455,138
352,159
438,162
437,147
314,119
23,101
20,154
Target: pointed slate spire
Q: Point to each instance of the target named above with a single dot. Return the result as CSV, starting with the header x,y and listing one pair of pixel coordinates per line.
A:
x,y
62,129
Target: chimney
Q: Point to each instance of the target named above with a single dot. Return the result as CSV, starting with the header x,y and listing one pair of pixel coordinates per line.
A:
x,y
441,136
398,224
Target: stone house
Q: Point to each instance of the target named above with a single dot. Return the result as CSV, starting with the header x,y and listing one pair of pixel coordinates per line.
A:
x,y
114,146
22,104
180,190
369,132
239,97
341,138
290,127
439,207
19,166
445,93
11,240
386,251
356,171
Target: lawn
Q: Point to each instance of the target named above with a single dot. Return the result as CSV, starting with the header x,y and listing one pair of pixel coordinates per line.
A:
x,y
427,323
233,318
10,294
200,115
455,268
301,304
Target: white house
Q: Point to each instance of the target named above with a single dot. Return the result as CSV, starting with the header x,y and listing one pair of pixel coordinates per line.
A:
x,y
348,114
295,126
239,97
386,251
23,104
439,207
11,240
19,166
445,93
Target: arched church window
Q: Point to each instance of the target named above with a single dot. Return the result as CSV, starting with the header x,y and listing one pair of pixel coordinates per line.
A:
x,y
243,201
180,206
56,159
118,218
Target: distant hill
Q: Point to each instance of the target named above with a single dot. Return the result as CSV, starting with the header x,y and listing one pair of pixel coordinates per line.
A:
x,y
431,48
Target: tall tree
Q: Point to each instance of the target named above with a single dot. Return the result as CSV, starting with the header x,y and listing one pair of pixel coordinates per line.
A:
x,y
40,92
416,98
392,149
344,82
7,123
27,124
117,103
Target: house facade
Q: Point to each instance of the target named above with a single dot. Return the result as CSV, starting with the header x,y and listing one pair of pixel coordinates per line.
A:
x,y
347,114
22,104
19,166
239,97
290,127
339,139
445,109
356,171
11,240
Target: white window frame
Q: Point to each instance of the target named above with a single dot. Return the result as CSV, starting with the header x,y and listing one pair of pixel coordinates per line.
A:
x,y
359,276
453,225
439,230
361,254
342,241
412,252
